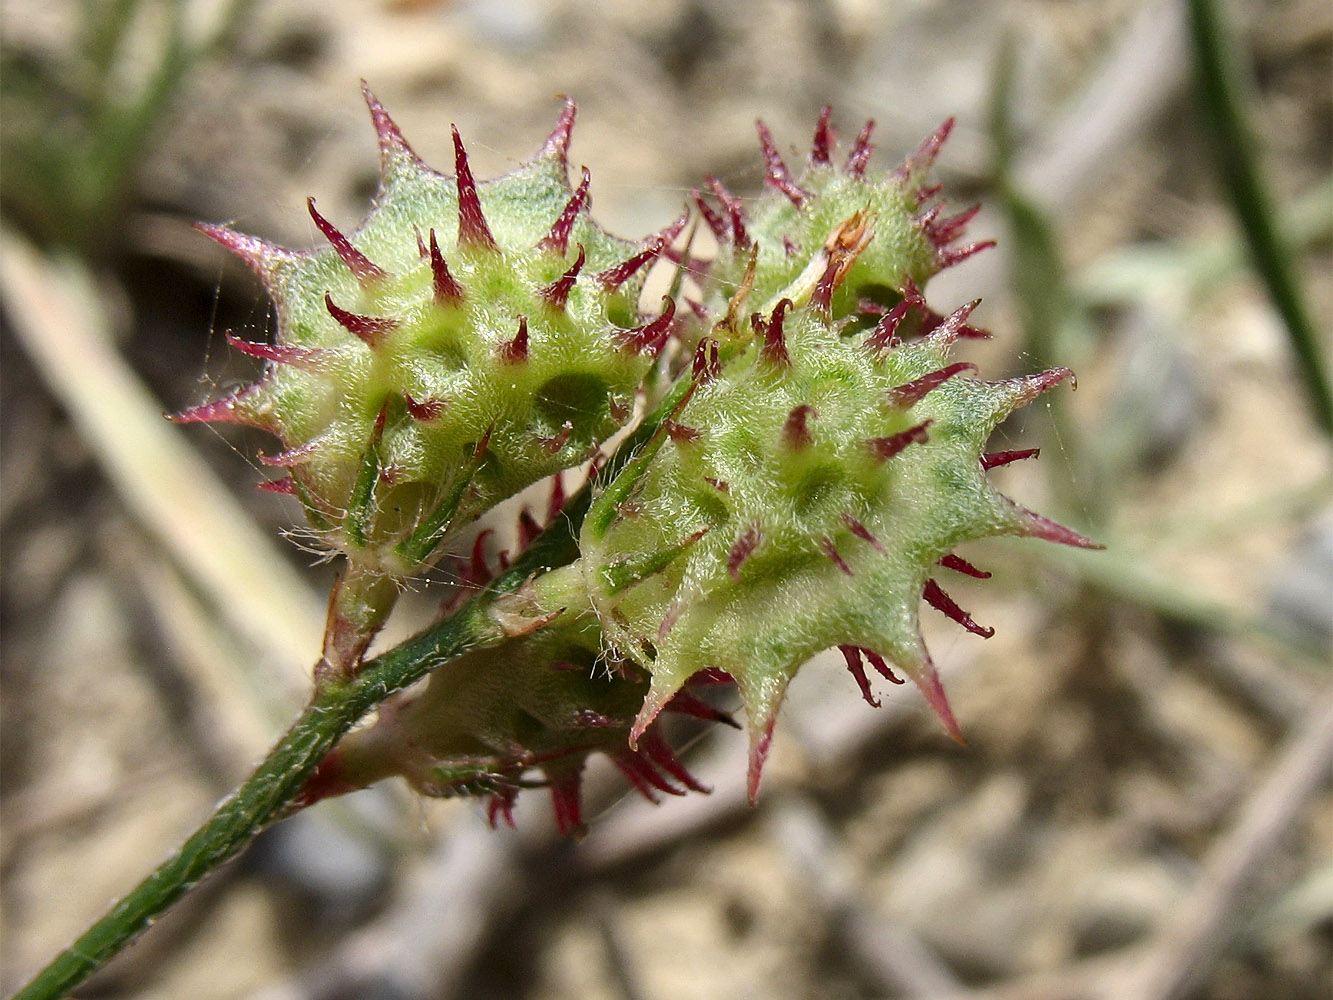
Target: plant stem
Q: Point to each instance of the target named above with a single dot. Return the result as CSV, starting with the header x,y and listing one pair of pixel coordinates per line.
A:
x,y
1238,163
269,793
266,795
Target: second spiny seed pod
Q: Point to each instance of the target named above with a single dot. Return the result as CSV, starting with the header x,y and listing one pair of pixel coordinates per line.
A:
x,y
836,234
805,495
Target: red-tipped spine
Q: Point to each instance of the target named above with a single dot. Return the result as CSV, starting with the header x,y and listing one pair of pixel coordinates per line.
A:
x,y
859,157
945,604
448,292
735,210
391,142
682,433
684,703
821,149
643,776
500,806
515,351
292,456
830,550
903,396
956,255
472,229
370,330
742,550
927,679
885,335
477,571
996,459
1026,388
557,502
960,565
613,277
425,410
942,232
556,294
852,656
307,359
953,325
707,364
1033,525
714,220
760,744
881,667
821,299
774,347
884,448
558,440
661,754
557,240
925,192
556,146
528,529
285,486
366,271
566,804
254,252
778,175
862,532
934,320
649,338
925,155
227,410
796,430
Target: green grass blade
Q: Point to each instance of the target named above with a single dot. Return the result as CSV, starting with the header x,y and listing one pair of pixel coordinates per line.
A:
x,y
1223,111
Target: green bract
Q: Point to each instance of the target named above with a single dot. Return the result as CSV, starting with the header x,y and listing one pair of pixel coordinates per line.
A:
x,y
542,702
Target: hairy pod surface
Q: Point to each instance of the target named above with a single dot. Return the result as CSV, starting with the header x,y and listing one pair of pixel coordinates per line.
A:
x,y
823,468
837,233
465,340
800,504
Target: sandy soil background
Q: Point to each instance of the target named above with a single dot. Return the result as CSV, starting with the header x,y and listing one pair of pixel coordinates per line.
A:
x,y
1142,807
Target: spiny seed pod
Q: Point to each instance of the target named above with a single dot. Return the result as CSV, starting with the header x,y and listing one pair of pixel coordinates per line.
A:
x,y
806,495
798,241
521,715
808,491
465,340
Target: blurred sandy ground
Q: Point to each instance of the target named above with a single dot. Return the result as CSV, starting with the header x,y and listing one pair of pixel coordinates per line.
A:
x,y
1115,741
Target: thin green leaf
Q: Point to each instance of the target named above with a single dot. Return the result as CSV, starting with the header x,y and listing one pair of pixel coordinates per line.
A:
x,y
1223,110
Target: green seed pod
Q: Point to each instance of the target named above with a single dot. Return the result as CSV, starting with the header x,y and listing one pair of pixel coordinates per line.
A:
x,y
527,713
793,241
466,340
804,496
824,461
